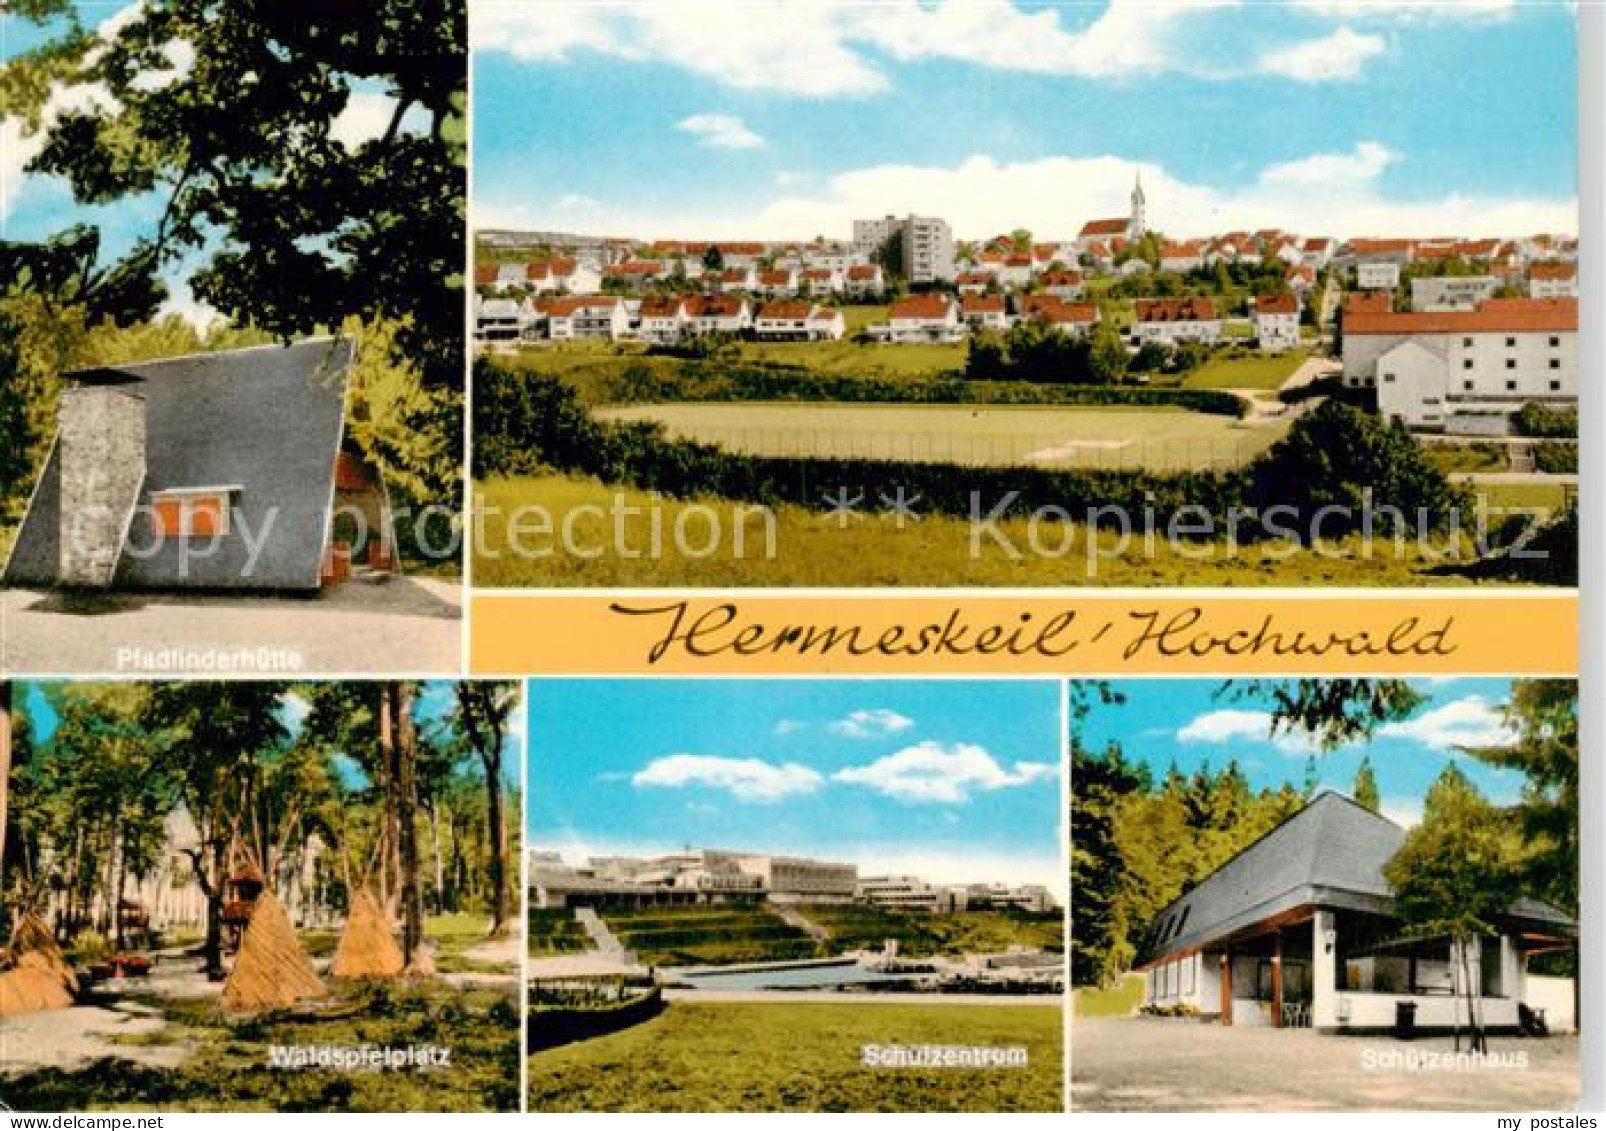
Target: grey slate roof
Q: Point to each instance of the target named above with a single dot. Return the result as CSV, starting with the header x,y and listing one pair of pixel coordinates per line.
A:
x,y
269,419
1331,853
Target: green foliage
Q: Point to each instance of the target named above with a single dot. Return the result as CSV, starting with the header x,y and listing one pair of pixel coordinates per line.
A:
x,y
1543,422
1037,351
1365,792
1147,842
1555,458
1345,462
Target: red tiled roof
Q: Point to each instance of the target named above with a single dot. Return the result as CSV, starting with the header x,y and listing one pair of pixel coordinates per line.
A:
x,y
1277,304
982,304
1175,310
1051,309
1018,259
662,306
1380,247
863,272
1112,227
485,274
788,309
920,306
775,278
1515,315
637,267
715,306
1060,278
1367,302
1553,271
965,278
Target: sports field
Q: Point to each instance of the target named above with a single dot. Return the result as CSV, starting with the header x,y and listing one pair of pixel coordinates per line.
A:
x,y
1158,439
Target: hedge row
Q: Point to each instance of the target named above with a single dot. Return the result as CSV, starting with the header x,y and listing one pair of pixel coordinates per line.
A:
x,y
638,384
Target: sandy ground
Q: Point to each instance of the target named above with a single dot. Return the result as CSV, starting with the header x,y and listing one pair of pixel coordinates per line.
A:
x,y
579,966
1155,1064
72,1038
505,950
401,626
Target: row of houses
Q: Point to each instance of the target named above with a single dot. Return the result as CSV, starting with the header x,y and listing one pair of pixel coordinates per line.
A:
x,y
657,319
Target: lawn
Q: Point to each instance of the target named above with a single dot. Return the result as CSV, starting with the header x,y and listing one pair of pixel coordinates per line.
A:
x,y
1263,371
1452,457
227,1065
611,533
1531,496
709,935
1114,437
1119,1000
760,1057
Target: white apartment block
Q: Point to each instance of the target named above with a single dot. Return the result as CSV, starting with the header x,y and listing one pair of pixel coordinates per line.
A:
x,y
1277,322
1463,371
927,241
1451,292
1173,320
1382,275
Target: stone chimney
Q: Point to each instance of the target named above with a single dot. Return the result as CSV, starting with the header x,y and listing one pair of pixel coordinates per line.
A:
x,y
100,450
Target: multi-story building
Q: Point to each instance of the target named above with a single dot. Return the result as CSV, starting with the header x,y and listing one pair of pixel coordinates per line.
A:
x,y
1553,280
1277,322
927,244
1451,292
1173,320
1377,276
1465,371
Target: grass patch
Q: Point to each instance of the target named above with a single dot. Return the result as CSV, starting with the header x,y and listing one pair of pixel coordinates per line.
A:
x,y
227,1069
805,548
1105,437
710,935
1119,1000
1263,371
552,931
1551,497
699,1056
1450,458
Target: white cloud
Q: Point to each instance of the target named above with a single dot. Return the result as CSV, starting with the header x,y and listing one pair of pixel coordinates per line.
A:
x,y
367,115
1335,57
746,779
834,48
874,723
947,774
720,131
796,48
18,148
1365,164
1403,811
784,727
1472,721
1411,10
1234,724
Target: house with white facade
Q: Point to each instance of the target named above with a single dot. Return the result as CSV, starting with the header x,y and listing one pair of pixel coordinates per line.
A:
x,y
1277,322
820,282
1465,371
1553,280
499,319
1436,293
636,274
975,282
922,318
561,276
1182,255
1067,317
1299,930
984,312
1378,276
864,281
1064,284
776,283
1173,320
663,319
596,316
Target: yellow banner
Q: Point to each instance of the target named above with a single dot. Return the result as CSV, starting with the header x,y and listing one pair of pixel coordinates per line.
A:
x,y
1168,632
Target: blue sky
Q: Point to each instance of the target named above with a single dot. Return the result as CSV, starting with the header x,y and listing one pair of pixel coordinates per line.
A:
x,y
1188,724
955,781
1330,116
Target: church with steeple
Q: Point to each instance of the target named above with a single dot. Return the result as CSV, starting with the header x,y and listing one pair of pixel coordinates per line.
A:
x,y
1131,227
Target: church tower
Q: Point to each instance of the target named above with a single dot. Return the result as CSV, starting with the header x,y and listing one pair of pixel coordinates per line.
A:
x,y
1138,225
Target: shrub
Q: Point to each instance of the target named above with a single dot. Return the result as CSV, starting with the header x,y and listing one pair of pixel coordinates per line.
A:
x,y
1554,458
1543,422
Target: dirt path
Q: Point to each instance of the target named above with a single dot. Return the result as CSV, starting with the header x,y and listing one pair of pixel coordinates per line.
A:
x,y
71,1038
409,625
1153,1064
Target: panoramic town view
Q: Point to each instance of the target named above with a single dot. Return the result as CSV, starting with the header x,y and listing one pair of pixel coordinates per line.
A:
x,y
763,896
1326,896
1083,363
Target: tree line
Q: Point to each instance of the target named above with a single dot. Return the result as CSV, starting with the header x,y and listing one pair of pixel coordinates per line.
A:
x,y
353,785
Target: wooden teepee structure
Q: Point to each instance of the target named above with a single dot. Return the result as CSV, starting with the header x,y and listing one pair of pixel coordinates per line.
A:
x,y
367,947
39,977
272,971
